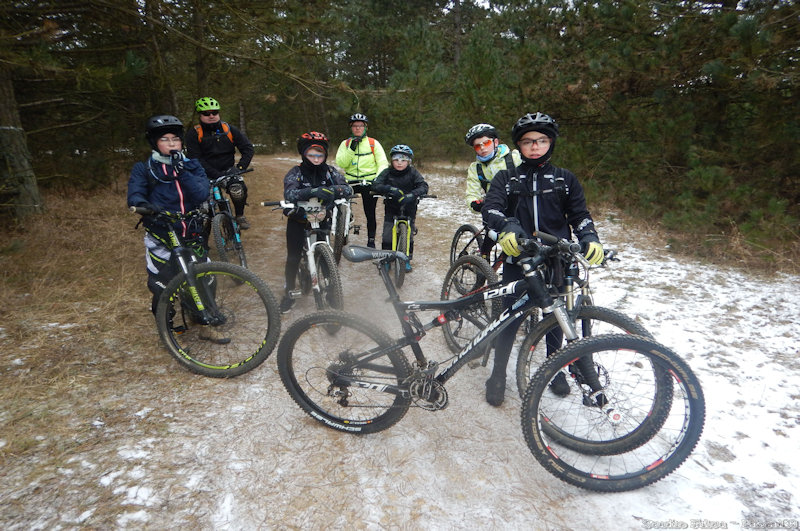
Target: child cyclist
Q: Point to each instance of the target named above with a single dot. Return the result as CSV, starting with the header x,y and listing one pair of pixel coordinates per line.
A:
x,y
491,156
167,180
402,185
313,177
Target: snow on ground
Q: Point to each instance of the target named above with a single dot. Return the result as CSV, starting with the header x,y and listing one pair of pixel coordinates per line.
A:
x,y
239,454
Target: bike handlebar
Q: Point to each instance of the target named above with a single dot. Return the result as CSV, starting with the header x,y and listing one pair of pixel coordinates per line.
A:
x,y
310,205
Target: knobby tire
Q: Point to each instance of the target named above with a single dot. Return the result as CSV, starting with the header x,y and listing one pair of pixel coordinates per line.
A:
x,y
626,362
248,311
330,283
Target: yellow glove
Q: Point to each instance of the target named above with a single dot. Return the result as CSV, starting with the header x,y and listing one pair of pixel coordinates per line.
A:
x,y
508,243
593,252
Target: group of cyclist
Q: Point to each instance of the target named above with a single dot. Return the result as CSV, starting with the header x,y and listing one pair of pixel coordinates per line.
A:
x,y
517,192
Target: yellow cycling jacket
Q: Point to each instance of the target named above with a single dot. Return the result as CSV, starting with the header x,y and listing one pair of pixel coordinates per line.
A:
x,y
361,164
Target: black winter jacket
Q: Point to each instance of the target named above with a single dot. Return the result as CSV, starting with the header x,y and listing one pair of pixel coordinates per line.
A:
x,y
551,200
407,181
298,183
216,152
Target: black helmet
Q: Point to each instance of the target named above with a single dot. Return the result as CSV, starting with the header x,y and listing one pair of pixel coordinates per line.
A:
x,y
312,139
534,122
162,124
358,117
479,130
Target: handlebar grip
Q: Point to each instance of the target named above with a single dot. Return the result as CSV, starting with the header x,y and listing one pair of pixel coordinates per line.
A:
x,y
270,203
546,238
141,210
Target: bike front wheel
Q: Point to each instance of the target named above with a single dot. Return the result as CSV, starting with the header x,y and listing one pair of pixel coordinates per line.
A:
x,y
246,320
399,266
226,242
629,395
340,232
328,279
466,241
323,364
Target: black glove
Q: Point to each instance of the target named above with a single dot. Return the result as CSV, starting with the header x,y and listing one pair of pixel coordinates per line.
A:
x,y
477,205
176,159
354,143
325,195
241,167
393,193
152,207
406,199
304,194
233,170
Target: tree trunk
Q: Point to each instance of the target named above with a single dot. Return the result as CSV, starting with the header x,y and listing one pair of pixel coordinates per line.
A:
x,y
18,188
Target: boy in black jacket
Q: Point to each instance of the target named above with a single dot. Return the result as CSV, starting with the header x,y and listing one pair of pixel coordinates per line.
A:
x,y
402,185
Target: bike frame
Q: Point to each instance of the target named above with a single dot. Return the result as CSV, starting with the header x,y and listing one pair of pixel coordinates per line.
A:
x,y
187,259
530,293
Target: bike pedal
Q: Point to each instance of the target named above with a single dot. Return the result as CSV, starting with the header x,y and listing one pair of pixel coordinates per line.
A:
x,y
295,293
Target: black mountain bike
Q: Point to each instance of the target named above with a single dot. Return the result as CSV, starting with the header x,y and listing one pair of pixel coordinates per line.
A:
x,y
637,413
226,298
225,230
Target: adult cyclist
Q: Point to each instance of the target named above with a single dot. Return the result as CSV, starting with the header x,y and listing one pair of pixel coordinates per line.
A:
x,y
491,157
214,143
362,158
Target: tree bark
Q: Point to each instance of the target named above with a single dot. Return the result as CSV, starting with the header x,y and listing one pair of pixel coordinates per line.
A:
x,y
18,187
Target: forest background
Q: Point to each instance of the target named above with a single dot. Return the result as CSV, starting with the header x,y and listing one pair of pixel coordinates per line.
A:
x,y
684,114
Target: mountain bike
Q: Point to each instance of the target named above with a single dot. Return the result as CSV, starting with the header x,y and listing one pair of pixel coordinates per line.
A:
x,y
224,228
402,241
639,410
318,271
468,240
237,305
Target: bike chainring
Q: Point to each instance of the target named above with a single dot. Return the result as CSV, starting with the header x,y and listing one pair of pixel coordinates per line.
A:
x,y
428,394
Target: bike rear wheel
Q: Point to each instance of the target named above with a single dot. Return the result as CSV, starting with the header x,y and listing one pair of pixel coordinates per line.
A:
x,y
328,279
466,241
319,357
625,363
340,232
225,241
245,313
467,275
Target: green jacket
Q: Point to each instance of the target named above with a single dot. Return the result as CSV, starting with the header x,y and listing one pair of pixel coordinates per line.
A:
x,y
361,164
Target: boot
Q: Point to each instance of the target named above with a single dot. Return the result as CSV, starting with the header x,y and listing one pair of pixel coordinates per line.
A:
x,y
559,385
286,304
243,223
371,242
495,391
209,333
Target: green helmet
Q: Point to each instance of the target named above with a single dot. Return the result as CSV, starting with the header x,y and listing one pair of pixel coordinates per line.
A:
x,y
206,104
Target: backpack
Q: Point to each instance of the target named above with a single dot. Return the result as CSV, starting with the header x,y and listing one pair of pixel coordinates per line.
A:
x,y
482,178
225,129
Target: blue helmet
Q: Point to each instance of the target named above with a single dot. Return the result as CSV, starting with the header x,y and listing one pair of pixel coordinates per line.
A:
x,y
402,149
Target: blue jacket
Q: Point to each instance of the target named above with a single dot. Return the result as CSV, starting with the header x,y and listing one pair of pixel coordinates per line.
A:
x,y
156,182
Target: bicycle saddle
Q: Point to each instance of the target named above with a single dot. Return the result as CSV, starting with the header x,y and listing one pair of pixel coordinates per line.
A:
x,y
358,253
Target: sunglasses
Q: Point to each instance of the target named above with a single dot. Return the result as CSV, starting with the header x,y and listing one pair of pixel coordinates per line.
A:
x,y
483,144
209,113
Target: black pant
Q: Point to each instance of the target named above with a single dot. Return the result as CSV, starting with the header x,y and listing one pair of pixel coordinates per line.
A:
x,y
370,201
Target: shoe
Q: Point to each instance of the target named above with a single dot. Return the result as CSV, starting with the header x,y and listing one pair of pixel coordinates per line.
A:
x,y
495,392
371,243
243,223
408,267
209,333
286,304
559,386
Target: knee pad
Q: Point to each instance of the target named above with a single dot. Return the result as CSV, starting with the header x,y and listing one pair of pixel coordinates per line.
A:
x,y
238,191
